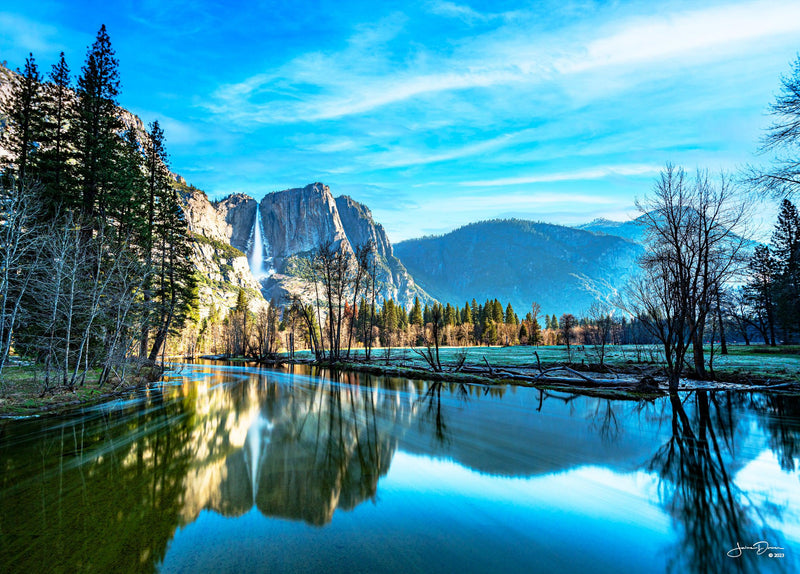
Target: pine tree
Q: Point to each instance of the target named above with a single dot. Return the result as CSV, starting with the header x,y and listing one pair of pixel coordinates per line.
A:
x,y
786,250
416,313
510,316
96,126
466,314
535,335
23,134
489,331
130,187
554,322
497,312
450,315
55,168
547,323
167,235
241,302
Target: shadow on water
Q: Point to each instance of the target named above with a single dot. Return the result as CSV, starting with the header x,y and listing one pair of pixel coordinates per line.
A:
x,y
107,489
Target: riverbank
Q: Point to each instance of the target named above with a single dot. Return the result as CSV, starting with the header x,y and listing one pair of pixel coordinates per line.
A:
x,y
627,373
626,370
22,393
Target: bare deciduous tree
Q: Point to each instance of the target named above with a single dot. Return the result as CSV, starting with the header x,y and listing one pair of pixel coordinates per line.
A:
x,y
695,239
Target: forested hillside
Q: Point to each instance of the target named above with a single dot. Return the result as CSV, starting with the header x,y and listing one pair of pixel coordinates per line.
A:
x,y
521,261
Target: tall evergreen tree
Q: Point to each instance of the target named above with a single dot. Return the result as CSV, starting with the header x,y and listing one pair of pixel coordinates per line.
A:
x,y
174,274
535,332
23,134
786,250
56,169
416,313
450,315
97,126
497,312
510,316
466,314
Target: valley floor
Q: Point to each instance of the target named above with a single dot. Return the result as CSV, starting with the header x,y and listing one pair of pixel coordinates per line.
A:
x,y
624,368
627,371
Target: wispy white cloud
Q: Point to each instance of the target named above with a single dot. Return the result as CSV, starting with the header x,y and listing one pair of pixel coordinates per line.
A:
x,y
28,35
362,77
697,32
578,175
403,157
466,13
460,11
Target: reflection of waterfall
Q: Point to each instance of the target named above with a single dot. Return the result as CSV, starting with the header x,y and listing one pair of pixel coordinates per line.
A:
x,y
255,449
260,266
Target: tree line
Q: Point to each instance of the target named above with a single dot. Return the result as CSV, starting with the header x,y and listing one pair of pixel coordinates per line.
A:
x,y
94,246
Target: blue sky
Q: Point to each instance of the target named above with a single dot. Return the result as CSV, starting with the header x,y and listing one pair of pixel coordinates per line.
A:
x,y
436,113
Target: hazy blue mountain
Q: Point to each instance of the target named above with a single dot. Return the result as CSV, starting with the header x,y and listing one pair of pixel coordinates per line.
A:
x,y
562,268
633,229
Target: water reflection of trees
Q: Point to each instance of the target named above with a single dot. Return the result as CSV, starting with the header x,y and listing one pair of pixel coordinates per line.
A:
x,y
431,404
709,511
92,498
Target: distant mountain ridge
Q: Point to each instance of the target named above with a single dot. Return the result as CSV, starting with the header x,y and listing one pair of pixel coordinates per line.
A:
x,y
632,229
563,269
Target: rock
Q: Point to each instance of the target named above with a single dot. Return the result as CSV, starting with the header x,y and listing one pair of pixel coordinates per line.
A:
x,y
359,226
239,212
299,220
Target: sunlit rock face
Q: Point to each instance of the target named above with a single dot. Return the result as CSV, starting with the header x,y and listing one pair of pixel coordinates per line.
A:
x,y
222,270
295,222
239,213
300,220
359,226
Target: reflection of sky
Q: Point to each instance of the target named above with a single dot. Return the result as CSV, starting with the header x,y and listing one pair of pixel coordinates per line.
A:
x,y
768,485
433,513
436,515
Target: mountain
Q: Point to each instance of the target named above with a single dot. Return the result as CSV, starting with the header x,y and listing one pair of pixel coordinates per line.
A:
x,y
222,268
561,268
633,229
293,223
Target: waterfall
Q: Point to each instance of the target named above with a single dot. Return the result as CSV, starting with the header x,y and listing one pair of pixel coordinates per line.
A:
x,y
257,260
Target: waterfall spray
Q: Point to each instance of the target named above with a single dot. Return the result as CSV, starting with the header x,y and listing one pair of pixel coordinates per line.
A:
x,y
256,259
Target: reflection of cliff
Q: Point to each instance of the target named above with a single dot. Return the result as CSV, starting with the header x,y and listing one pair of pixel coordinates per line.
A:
x,y
106,490
98,493
298,453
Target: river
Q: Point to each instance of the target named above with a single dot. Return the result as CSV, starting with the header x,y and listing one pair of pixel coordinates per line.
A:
x,y
226,468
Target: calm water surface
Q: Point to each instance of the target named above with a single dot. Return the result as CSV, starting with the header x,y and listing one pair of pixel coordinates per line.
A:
x,y
237,469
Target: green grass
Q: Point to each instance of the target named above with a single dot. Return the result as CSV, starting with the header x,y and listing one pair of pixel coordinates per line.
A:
x,y
788,350
741,362
22,390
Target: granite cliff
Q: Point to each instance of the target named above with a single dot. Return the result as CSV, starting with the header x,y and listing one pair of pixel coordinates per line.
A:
x,y
222,268
294,222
